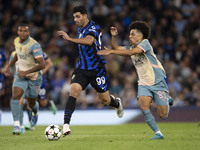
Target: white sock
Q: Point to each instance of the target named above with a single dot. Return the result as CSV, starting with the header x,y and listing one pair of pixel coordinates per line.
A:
x,y
16,123
159,132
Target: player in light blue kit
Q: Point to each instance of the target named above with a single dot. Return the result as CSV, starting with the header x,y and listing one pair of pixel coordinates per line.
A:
x,y
151,84
28,76
42,97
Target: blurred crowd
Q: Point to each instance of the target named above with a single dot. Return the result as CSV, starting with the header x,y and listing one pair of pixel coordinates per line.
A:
x,y
175,38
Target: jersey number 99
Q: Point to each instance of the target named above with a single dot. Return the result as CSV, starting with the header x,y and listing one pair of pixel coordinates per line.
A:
x,y
100,80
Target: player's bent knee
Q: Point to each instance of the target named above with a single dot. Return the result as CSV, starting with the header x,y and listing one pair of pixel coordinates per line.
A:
x,y
105,102
75,92
31,104
43,103
143,108
16,96
163,116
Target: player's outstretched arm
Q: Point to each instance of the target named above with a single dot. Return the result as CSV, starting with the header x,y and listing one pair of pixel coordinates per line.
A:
x,y
64,35
88,40
130,52
114,33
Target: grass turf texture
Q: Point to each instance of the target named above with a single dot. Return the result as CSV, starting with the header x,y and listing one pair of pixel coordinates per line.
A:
x,y
178,136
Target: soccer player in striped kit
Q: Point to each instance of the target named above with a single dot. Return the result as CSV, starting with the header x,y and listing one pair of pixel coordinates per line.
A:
x,y
90,67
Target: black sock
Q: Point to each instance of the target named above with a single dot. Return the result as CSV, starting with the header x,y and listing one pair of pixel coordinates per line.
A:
x,y
69,109
49,102
113,102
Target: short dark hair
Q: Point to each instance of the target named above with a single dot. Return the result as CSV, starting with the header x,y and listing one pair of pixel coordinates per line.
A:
x,y
80,9
141,26
24,25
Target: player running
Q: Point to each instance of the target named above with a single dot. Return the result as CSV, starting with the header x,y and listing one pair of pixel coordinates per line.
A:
x,y
151,84
28,76
2,64
42,97
90,67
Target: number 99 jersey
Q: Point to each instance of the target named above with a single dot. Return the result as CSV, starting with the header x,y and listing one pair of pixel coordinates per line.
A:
x,y
97,78
88,57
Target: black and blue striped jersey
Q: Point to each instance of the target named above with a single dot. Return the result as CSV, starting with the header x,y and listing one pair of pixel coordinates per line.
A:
x,y
45,56
2,62
88,57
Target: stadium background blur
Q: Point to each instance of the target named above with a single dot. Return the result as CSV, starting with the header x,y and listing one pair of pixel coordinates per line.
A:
x,y
175,38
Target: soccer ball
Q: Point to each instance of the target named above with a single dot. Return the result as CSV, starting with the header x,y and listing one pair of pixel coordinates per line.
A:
x,y
52,132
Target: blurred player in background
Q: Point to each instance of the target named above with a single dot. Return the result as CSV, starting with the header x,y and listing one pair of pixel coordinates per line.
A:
x,y
42,97
28,76
13,69
3,60
90,67
151,84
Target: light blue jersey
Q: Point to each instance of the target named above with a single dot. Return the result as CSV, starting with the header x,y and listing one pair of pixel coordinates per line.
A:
x,y
149,69
27,53
151,74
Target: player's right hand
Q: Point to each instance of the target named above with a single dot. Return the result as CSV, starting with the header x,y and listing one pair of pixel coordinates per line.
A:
x,y
64,35
113,31
107,51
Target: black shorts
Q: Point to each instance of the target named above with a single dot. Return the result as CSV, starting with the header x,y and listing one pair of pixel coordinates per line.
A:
x,y
97,78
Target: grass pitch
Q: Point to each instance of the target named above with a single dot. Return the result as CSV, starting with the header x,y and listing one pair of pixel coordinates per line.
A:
x,y
178,136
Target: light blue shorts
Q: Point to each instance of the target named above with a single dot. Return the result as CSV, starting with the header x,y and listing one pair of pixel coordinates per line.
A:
x,y
159,92
30,87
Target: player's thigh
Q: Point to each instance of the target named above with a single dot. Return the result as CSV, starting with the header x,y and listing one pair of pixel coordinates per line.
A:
x,y
33,91
161,97
33,88
99,80
75,90
19,87
160,93
144,91
144,97
79,77
145,102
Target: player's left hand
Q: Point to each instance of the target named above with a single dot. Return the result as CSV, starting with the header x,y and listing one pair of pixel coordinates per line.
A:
x,y
6,71
21,74
104,52
64,35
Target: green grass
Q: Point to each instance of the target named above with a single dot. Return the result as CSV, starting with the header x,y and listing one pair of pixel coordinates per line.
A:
x,y
178,136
